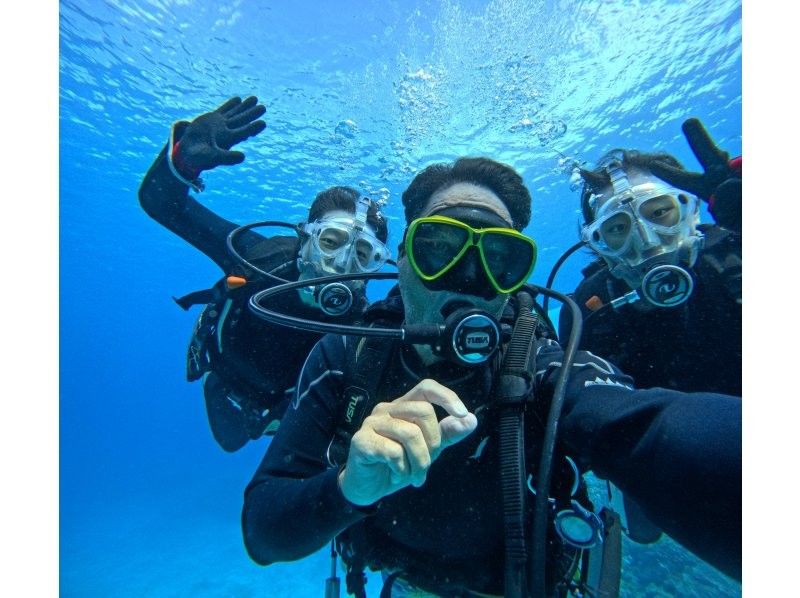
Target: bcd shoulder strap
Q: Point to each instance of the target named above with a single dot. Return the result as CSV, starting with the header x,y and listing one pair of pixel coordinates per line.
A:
x,y
366,360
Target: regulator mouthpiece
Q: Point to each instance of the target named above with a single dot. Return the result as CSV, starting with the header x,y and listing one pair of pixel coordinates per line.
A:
x,y
474,336
333,299
663,286
667,286
469,336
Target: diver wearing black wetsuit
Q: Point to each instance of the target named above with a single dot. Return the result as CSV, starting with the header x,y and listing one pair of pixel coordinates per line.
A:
x,y
438,520
249,366
695,346
656,445
637,218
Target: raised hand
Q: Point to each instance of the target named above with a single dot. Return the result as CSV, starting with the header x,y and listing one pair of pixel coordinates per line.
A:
x,y
398,441
720,183
206,142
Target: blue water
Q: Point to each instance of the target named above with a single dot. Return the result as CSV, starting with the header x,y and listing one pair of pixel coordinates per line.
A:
x,y
359,93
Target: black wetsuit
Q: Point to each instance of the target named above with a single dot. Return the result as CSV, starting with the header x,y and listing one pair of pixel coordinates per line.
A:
x,y
696,346
253,361
655,444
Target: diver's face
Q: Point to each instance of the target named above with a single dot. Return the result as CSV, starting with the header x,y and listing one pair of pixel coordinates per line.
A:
x,y
651,205
334,247
648,225
661,210
331,242
468,285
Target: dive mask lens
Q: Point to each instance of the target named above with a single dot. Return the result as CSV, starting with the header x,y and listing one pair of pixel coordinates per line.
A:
x,y
369,253
435,244
331,238
508,258
662,213
340,247
611,235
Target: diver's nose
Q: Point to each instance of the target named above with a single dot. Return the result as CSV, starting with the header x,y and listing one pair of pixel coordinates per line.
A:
x,y
470,278
471,266
648,236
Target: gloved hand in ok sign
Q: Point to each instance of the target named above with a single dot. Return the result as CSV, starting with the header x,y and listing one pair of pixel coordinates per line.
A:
x,y
721,182
206,142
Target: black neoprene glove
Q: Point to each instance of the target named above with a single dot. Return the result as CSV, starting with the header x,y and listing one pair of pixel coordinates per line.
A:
x,y
720,183
205,142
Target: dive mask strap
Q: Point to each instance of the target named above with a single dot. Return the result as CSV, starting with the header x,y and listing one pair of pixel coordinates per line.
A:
x,y
362,207
619,179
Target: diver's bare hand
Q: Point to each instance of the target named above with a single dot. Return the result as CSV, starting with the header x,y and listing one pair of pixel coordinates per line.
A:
x,y
397,443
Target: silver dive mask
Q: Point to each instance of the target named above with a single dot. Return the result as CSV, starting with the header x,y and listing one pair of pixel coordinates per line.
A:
x,y
339,244
647,235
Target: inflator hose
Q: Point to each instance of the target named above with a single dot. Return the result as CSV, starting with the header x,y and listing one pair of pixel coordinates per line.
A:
x,y
539,534
559,262
234,253
513,390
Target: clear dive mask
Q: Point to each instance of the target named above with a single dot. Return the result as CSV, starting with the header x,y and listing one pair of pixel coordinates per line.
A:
x,y
338,244
647,234
646,220
338,247
343,245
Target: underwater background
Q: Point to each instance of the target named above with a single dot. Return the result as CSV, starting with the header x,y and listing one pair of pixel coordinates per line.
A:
x,y
360,93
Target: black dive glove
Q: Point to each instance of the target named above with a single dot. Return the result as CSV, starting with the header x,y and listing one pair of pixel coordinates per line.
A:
x,y
205,142
721,182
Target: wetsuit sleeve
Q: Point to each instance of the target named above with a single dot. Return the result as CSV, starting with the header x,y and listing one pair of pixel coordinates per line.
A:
x,y
293,505
679,455
167,201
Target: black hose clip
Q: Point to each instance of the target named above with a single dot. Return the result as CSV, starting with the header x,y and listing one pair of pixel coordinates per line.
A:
x,y
513,388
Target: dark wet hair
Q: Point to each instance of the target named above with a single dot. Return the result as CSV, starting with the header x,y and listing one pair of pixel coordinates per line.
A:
x,y
598,179
499,178
345,198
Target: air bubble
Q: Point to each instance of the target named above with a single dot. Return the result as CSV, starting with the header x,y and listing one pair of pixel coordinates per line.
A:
x,y
346,129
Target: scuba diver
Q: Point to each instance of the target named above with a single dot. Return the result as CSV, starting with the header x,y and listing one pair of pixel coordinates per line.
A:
x,y
663,299
423,441
249,367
